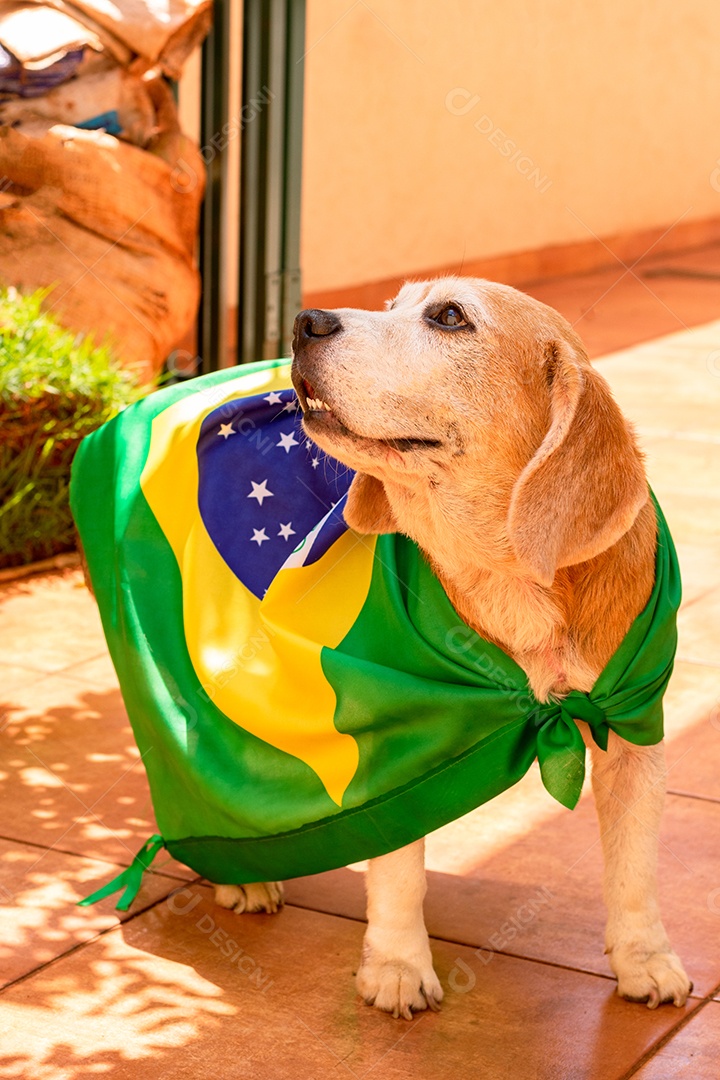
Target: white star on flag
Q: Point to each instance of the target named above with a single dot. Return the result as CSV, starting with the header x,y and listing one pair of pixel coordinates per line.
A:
x,y
290,406
315,462
287,442
259,536
285,531
273,398
226,430
259,492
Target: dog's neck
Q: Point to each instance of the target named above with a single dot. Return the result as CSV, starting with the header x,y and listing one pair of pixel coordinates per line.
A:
x,y
492,594
529,621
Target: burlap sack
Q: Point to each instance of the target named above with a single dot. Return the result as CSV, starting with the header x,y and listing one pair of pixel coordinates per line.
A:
x,y
37,32
111,98
107,226
161,35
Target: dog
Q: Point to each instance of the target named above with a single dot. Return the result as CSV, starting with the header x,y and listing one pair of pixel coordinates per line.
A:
x,y
478,428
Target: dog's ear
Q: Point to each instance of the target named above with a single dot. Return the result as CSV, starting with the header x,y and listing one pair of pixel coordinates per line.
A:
x,y
367,509
586,483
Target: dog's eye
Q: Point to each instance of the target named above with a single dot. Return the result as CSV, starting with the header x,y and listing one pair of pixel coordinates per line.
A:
x,y
451,315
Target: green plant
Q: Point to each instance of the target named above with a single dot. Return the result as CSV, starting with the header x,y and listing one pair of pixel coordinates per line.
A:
x,y
55,387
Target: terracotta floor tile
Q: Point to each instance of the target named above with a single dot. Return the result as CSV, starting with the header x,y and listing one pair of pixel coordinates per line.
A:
x,y
612,309
690,466
685,476
689,521
48,622
12,678
669,385
690,704
97,670
694,753
699,566
197,991
699,629
692,1054
39,917
73,775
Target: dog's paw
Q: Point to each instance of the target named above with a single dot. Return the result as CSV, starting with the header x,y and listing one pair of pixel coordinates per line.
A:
x,y
258,896
650,977
399,987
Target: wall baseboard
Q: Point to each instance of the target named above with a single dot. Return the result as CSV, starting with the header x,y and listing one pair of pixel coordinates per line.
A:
x,y
529,267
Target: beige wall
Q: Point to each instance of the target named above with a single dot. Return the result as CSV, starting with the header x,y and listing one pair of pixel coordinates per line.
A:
x,y
612,109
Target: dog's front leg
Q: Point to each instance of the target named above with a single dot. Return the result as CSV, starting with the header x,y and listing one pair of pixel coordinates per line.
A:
x,y
629,789
396,973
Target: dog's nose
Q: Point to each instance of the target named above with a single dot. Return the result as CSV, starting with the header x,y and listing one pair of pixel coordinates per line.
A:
x,y
315,323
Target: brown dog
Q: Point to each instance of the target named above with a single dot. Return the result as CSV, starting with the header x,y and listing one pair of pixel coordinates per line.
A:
x,y
478,427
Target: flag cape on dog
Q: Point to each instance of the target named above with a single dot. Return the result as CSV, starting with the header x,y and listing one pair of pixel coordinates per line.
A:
x,y
303,696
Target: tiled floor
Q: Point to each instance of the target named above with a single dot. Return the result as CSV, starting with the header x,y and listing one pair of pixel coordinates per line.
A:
x,y
626,304
160,992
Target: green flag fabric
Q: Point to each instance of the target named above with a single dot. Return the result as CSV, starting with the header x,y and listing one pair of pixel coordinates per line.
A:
x,y
303,696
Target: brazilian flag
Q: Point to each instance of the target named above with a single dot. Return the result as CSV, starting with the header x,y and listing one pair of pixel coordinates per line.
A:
x,y
304,696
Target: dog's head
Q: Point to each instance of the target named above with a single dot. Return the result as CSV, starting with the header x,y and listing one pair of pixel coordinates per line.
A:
x,y
472,416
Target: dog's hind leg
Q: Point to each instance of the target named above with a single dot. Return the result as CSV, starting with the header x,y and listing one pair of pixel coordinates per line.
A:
x,y
396,973
258,896
629,789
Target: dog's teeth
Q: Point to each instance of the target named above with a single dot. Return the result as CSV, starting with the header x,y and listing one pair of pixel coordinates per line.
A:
x,y
318,405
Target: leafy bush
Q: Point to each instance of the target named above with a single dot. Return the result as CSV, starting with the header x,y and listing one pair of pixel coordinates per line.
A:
x,y
55,387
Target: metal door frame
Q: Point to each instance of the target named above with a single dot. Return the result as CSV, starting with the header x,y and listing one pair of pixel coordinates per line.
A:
x,y
269,117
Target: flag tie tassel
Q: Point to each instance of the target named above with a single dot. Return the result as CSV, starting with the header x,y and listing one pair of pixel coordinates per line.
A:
x,y
131,877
